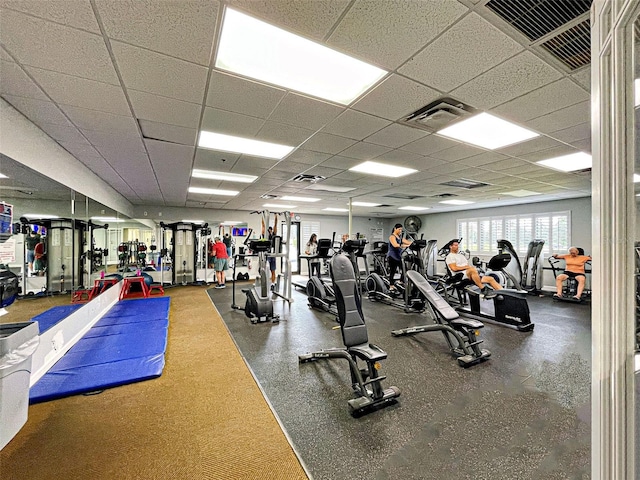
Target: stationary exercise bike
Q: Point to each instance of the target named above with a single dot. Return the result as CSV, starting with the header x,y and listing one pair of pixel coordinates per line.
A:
x,y
570,287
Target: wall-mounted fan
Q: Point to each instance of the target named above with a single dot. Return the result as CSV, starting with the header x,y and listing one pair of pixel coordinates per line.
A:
x,y
412,224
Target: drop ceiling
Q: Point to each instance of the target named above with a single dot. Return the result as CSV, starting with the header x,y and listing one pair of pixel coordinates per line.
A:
x,y
125,87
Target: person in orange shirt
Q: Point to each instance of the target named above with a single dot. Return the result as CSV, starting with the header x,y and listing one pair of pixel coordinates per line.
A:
x,y
574,269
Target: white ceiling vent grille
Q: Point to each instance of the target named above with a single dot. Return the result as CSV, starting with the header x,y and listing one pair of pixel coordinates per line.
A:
x,y
438,114
561,27
303,177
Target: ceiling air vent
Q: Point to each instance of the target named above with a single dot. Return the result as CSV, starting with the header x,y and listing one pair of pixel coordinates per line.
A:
x,y
403,196
445,195
561,27
464,183
303,177
438,114
268,196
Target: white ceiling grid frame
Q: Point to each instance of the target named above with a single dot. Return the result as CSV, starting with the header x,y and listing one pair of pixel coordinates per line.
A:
x,y
400,158
283,134
183,29
467,49
396,135
155,108
62,133
172,167
86,119
38,111
46,45
534,145
326,143
430,144
387,33
73,13
168,133
570,135
457,152
81,92
14,81
365,151
564,118
294,109
355,125
518,75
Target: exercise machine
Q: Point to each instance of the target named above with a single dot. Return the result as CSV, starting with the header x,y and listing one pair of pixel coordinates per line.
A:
x,y
259,304
510,306
570,287
366,382
183,254
528,275
378,288
462,335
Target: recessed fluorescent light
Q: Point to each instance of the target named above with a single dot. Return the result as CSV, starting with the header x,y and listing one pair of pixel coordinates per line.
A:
x,y
568,163
636,178
228,223
109,219
331,209
2,175
382,169
192,221
229,143
277,205
212,191
487,131
456,202
329,188
364,204
300,199
415,209
258,50
521,193
226,176
39,215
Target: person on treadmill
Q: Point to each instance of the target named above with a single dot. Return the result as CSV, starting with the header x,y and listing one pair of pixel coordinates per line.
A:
x,y
457,262
394,254
574,268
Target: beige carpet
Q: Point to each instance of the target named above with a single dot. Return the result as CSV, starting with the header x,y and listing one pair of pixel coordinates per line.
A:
x,y
204,418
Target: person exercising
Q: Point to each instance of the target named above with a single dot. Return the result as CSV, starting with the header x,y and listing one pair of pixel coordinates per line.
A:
x,y
457,262
574,268
394,254
271,234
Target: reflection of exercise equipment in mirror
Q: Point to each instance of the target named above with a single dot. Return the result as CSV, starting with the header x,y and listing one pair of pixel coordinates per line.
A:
x,y
183,252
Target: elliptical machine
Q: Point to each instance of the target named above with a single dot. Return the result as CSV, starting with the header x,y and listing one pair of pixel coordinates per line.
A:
x,y
259,305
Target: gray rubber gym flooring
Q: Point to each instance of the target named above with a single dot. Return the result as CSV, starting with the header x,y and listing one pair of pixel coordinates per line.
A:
x,y
523,414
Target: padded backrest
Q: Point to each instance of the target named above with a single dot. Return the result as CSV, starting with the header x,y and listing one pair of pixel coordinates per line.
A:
x,y
352,325
324,245
580,250
438,303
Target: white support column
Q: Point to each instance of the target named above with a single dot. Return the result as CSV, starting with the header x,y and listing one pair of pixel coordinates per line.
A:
x,y
613,206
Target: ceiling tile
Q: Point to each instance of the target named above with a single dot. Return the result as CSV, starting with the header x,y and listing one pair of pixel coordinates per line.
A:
x,y
470,47
356,125
38,111
517,76
79,149
55,47
308,157
388,33
73,13
457,152
534,145
396,136
340,162
172,166
5,56
547,99
168,133
100,121
230,123
130,138
550,153
295,109
246,162
283,134
63,133
560,119
165,110
430,144
325,143
395,98
583,77
483,159
236,94
81,92
401,158
180,29
311,19
156,73
572,134
364,151
14,81
214,160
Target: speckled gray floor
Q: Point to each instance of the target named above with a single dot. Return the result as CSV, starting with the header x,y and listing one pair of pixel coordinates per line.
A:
x,y
524,414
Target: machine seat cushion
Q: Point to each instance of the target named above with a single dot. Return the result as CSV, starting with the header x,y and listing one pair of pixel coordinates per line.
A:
x,y
467,323
367,352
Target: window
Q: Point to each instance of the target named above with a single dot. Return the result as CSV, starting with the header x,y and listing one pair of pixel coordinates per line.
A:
x,y
480,235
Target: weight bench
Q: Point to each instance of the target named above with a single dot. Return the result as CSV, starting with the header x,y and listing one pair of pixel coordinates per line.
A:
x,y
365,382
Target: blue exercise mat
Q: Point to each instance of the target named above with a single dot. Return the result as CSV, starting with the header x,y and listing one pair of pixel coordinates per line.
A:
x,y
52,316
127,345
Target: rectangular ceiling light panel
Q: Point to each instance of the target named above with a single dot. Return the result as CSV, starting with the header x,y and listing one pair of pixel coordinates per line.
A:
x,y
255,49
487,131
225,176
364,204
248,146
382,169
278,205
521,193
456,202
568,163
414,209
299,199
330,188
213,191
331,209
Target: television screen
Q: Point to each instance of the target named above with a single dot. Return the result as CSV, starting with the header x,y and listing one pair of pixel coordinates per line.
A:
x,y
6,219
239,231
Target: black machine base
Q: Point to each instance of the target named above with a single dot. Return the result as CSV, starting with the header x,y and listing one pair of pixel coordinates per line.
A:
x,y
510,307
